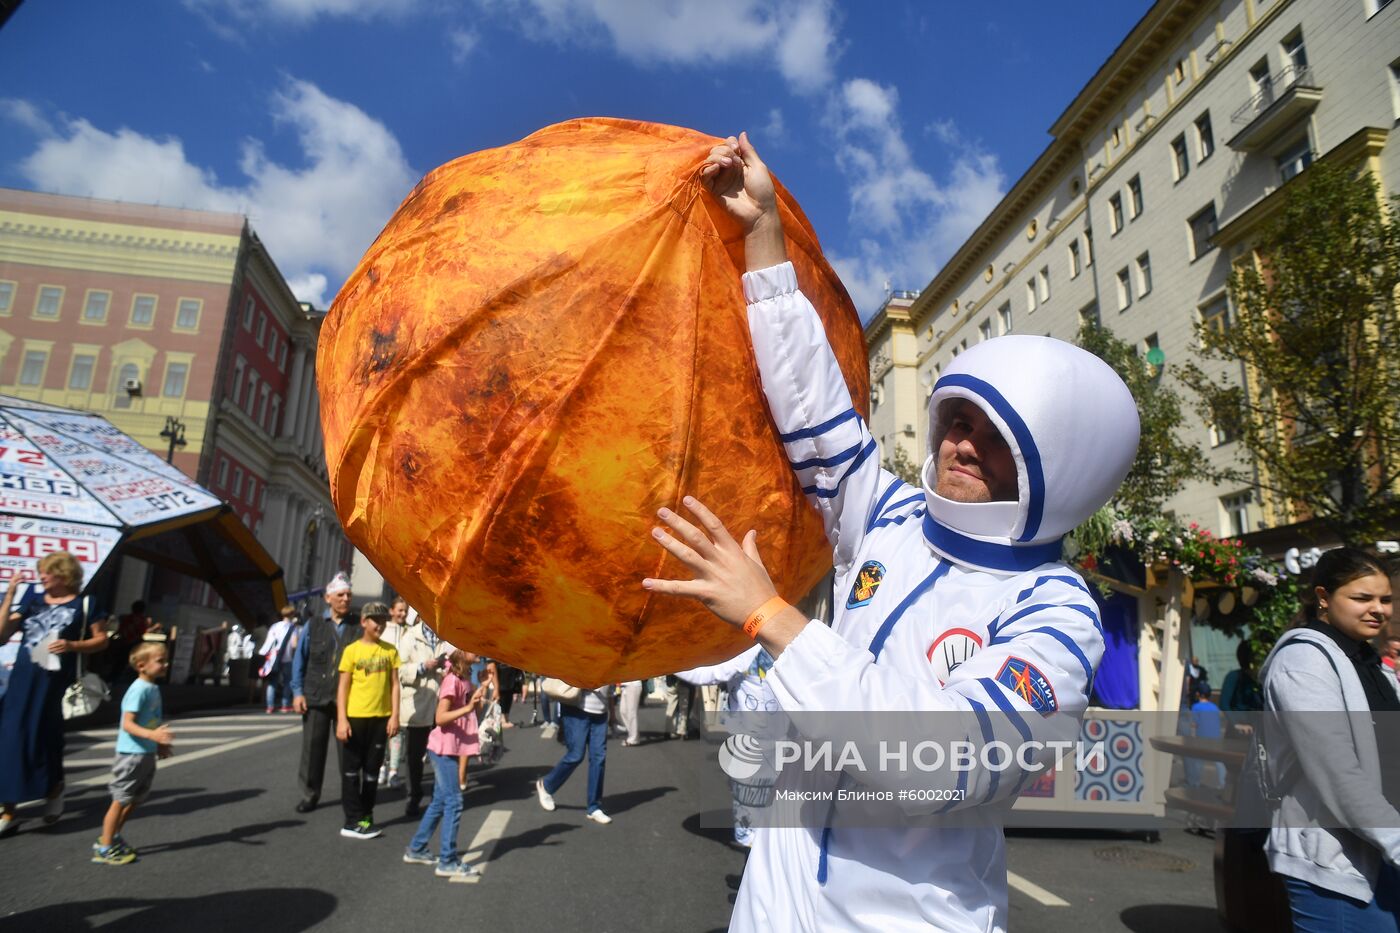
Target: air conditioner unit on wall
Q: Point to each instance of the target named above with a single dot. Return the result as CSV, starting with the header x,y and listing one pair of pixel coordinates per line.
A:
x,y
133,387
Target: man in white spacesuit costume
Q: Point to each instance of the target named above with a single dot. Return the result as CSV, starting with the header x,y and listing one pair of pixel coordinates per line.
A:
x,y
950,599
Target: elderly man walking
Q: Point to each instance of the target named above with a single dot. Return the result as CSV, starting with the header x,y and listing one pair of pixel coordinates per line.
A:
x,y
315,673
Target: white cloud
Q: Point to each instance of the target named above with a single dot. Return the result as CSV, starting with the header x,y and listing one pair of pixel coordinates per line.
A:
x,y
797,36
26,115
906,222
316,220
310,288
463,43
301,11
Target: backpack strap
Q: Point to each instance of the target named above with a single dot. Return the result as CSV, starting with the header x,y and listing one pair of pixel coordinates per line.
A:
x,y
1273,793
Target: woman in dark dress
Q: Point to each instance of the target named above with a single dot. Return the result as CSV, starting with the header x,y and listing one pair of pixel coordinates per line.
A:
x,y
52,634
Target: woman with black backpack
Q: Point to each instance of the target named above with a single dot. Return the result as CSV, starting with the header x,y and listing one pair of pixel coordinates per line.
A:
x,y
1335,837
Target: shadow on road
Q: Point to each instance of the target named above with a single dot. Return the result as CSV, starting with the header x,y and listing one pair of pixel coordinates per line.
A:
x,y
84,814
714,825
1171,918
268,910
243,834
532,839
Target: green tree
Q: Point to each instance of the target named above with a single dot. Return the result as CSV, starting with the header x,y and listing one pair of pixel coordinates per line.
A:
x,y
900,465
1317,334
1164,461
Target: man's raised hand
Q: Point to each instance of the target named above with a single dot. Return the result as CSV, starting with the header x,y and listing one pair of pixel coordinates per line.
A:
x,y
735,175
730,579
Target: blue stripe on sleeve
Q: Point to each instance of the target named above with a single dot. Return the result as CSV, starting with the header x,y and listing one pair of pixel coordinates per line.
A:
x,y
898,519
842,457
1062,578
988,736
1060,637
820,429
1004,704
880,504
822,493
1028,610
962,790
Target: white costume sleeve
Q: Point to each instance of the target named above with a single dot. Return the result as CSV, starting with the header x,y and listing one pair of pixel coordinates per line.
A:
x,y
723,672
1029,684
827,442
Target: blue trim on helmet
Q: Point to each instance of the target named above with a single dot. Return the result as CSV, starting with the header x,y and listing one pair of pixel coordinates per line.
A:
x,y
1007,557
1030,454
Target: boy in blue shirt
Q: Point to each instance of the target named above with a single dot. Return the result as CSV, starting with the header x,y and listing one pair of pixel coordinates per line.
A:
x,y
140,740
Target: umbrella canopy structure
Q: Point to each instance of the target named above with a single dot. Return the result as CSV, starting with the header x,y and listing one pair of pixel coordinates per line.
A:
x,y
71,481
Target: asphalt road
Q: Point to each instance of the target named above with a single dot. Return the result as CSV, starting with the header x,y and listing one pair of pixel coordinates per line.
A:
x,y
222,849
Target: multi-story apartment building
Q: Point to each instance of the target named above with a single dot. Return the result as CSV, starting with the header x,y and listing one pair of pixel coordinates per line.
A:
x,y
145,314
1158,174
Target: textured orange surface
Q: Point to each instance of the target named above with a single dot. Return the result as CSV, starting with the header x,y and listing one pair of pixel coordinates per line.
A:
x,y
547,343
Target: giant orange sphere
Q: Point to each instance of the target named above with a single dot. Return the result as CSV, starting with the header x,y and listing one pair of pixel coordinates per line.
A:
x,y
547,343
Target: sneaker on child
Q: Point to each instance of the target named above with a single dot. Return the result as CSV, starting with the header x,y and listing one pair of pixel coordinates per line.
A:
x,y
419,858
112,854
457,871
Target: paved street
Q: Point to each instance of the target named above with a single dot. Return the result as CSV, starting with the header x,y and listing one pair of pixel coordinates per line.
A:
x,y
222,849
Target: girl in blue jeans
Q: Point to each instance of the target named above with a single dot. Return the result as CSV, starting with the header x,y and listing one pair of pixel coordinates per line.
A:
x,y
454,737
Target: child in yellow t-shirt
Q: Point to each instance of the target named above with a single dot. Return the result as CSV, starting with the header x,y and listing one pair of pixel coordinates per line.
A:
x,y
367,716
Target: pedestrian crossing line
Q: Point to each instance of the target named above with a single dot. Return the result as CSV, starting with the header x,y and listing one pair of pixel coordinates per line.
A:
x,y
182,726
484,842
180,740
1034,891
179,759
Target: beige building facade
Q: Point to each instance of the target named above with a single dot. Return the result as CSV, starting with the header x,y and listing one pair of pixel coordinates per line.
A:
x,y
1157,175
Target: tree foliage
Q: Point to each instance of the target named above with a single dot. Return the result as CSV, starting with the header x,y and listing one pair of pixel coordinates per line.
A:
x,y
900,465
1316,331
1164,461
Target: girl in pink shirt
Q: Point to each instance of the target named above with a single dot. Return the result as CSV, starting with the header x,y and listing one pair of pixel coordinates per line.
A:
x,y
454,736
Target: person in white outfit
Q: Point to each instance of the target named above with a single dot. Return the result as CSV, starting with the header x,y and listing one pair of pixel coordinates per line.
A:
x,y
952,598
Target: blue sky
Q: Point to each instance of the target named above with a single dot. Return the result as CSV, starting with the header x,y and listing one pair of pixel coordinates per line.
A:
x,y
897,125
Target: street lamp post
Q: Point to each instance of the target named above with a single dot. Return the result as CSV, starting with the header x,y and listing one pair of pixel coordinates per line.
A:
x,y
175,433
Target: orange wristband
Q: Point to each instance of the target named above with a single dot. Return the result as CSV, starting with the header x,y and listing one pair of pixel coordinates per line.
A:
x,y
762,614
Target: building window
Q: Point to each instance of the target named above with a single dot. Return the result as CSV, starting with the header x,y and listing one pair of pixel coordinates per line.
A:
x,y
1144,274
262,328
187,316
1179,70
1205,137
143,310
7,294
1215,315
1295,159
80,374
237,482
1074,258
276,413
1115,213
262,405
248,308
1149,344
238,380
127,375
1088,248
49,301
32,371
272,346
1125,289
1135,196
1004,317
1089,315
175,375
282,357
1043,283
252,489
223,471
985,330
1260,83
1181,162
1202,225
1296,55
1236,510
262,498
1394,105
252,400
1030,295
95,306
1118,136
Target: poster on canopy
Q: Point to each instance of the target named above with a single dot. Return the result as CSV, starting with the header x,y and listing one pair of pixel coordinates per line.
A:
x,y
25,539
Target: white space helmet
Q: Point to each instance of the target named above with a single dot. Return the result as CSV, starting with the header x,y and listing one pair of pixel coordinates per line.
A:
x,y
1072,427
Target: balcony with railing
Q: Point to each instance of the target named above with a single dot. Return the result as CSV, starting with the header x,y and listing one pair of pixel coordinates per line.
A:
x,y
1282,100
